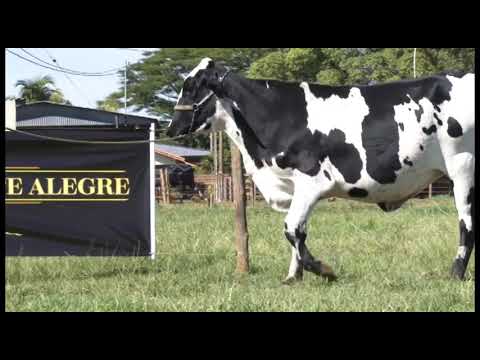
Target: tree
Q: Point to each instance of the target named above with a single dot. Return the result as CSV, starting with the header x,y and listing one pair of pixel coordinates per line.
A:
x,y
111,102
40,89
155,82
271,66
341,66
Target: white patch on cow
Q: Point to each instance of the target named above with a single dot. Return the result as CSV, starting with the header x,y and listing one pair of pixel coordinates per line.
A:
x,y
462,96
202,66
267,85
346,115
461,107
336,113
295,265
462,252
412,179
180,95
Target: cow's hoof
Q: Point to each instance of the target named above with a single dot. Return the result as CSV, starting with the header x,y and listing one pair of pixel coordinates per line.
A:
x,y
290,280
458,270
327,272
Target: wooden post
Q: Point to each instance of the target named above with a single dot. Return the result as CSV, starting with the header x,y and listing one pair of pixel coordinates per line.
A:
x,y
220,165
430,191
167,185
254,193
241,231
162,185
230,190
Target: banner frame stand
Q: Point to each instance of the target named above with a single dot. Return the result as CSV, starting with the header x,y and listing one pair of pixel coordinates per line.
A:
x,y
152,192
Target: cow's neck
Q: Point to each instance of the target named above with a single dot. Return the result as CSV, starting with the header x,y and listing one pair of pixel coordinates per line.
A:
x,y
252,106
226,114
256,120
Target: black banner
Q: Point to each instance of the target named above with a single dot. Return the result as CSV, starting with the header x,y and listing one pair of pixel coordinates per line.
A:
x,y
77,199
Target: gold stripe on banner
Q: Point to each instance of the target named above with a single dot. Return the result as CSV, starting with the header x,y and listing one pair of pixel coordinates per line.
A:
x,y
22,167
13,234
68,171
23,203
34,200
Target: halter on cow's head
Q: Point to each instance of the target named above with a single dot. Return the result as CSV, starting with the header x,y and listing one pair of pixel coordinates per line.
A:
x,y
196,106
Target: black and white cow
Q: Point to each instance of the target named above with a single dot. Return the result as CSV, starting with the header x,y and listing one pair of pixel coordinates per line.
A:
x,y
303,142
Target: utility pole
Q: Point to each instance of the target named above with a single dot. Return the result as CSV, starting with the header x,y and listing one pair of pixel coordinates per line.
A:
x,y
415,63
125,86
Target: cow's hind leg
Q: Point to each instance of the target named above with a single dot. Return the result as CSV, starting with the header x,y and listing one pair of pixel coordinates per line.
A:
x,y
462,174
466,210
295,232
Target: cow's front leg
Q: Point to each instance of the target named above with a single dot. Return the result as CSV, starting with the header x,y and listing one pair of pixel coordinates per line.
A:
x,y
295,232
295,271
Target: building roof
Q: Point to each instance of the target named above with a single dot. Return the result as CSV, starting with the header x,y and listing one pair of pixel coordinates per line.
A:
x,y
182,151
46,114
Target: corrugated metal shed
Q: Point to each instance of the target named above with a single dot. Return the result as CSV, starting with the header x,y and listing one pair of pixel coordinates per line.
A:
x,y
182,151
47,114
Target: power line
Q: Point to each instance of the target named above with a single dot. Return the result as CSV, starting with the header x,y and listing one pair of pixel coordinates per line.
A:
x,y
56,69
66,69
70,79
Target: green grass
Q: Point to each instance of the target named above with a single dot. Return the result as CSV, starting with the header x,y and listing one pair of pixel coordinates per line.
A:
x,y
385,262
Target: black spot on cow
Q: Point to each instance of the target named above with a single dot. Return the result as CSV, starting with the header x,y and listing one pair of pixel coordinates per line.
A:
x,y
419,113
421,147
327,175
406,161
437,108
454,128
440,91
471,195
324,92
300,234
358,193
344,156
454,72
237,132
380,134
466,237
439,122
400,125
430,130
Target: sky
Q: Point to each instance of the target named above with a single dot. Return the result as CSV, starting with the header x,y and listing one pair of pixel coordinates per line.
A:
x,y
87,90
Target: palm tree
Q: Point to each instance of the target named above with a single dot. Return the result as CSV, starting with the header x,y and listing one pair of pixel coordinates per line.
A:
x,y
40,89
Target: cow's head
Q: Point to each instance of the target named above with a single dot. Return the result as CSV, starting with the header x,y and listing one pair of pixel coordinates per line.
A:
x,y
197,102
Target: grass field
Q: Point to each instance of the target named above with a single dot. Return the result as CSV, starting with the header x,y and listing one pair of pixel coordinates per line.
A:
x,y
385,262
